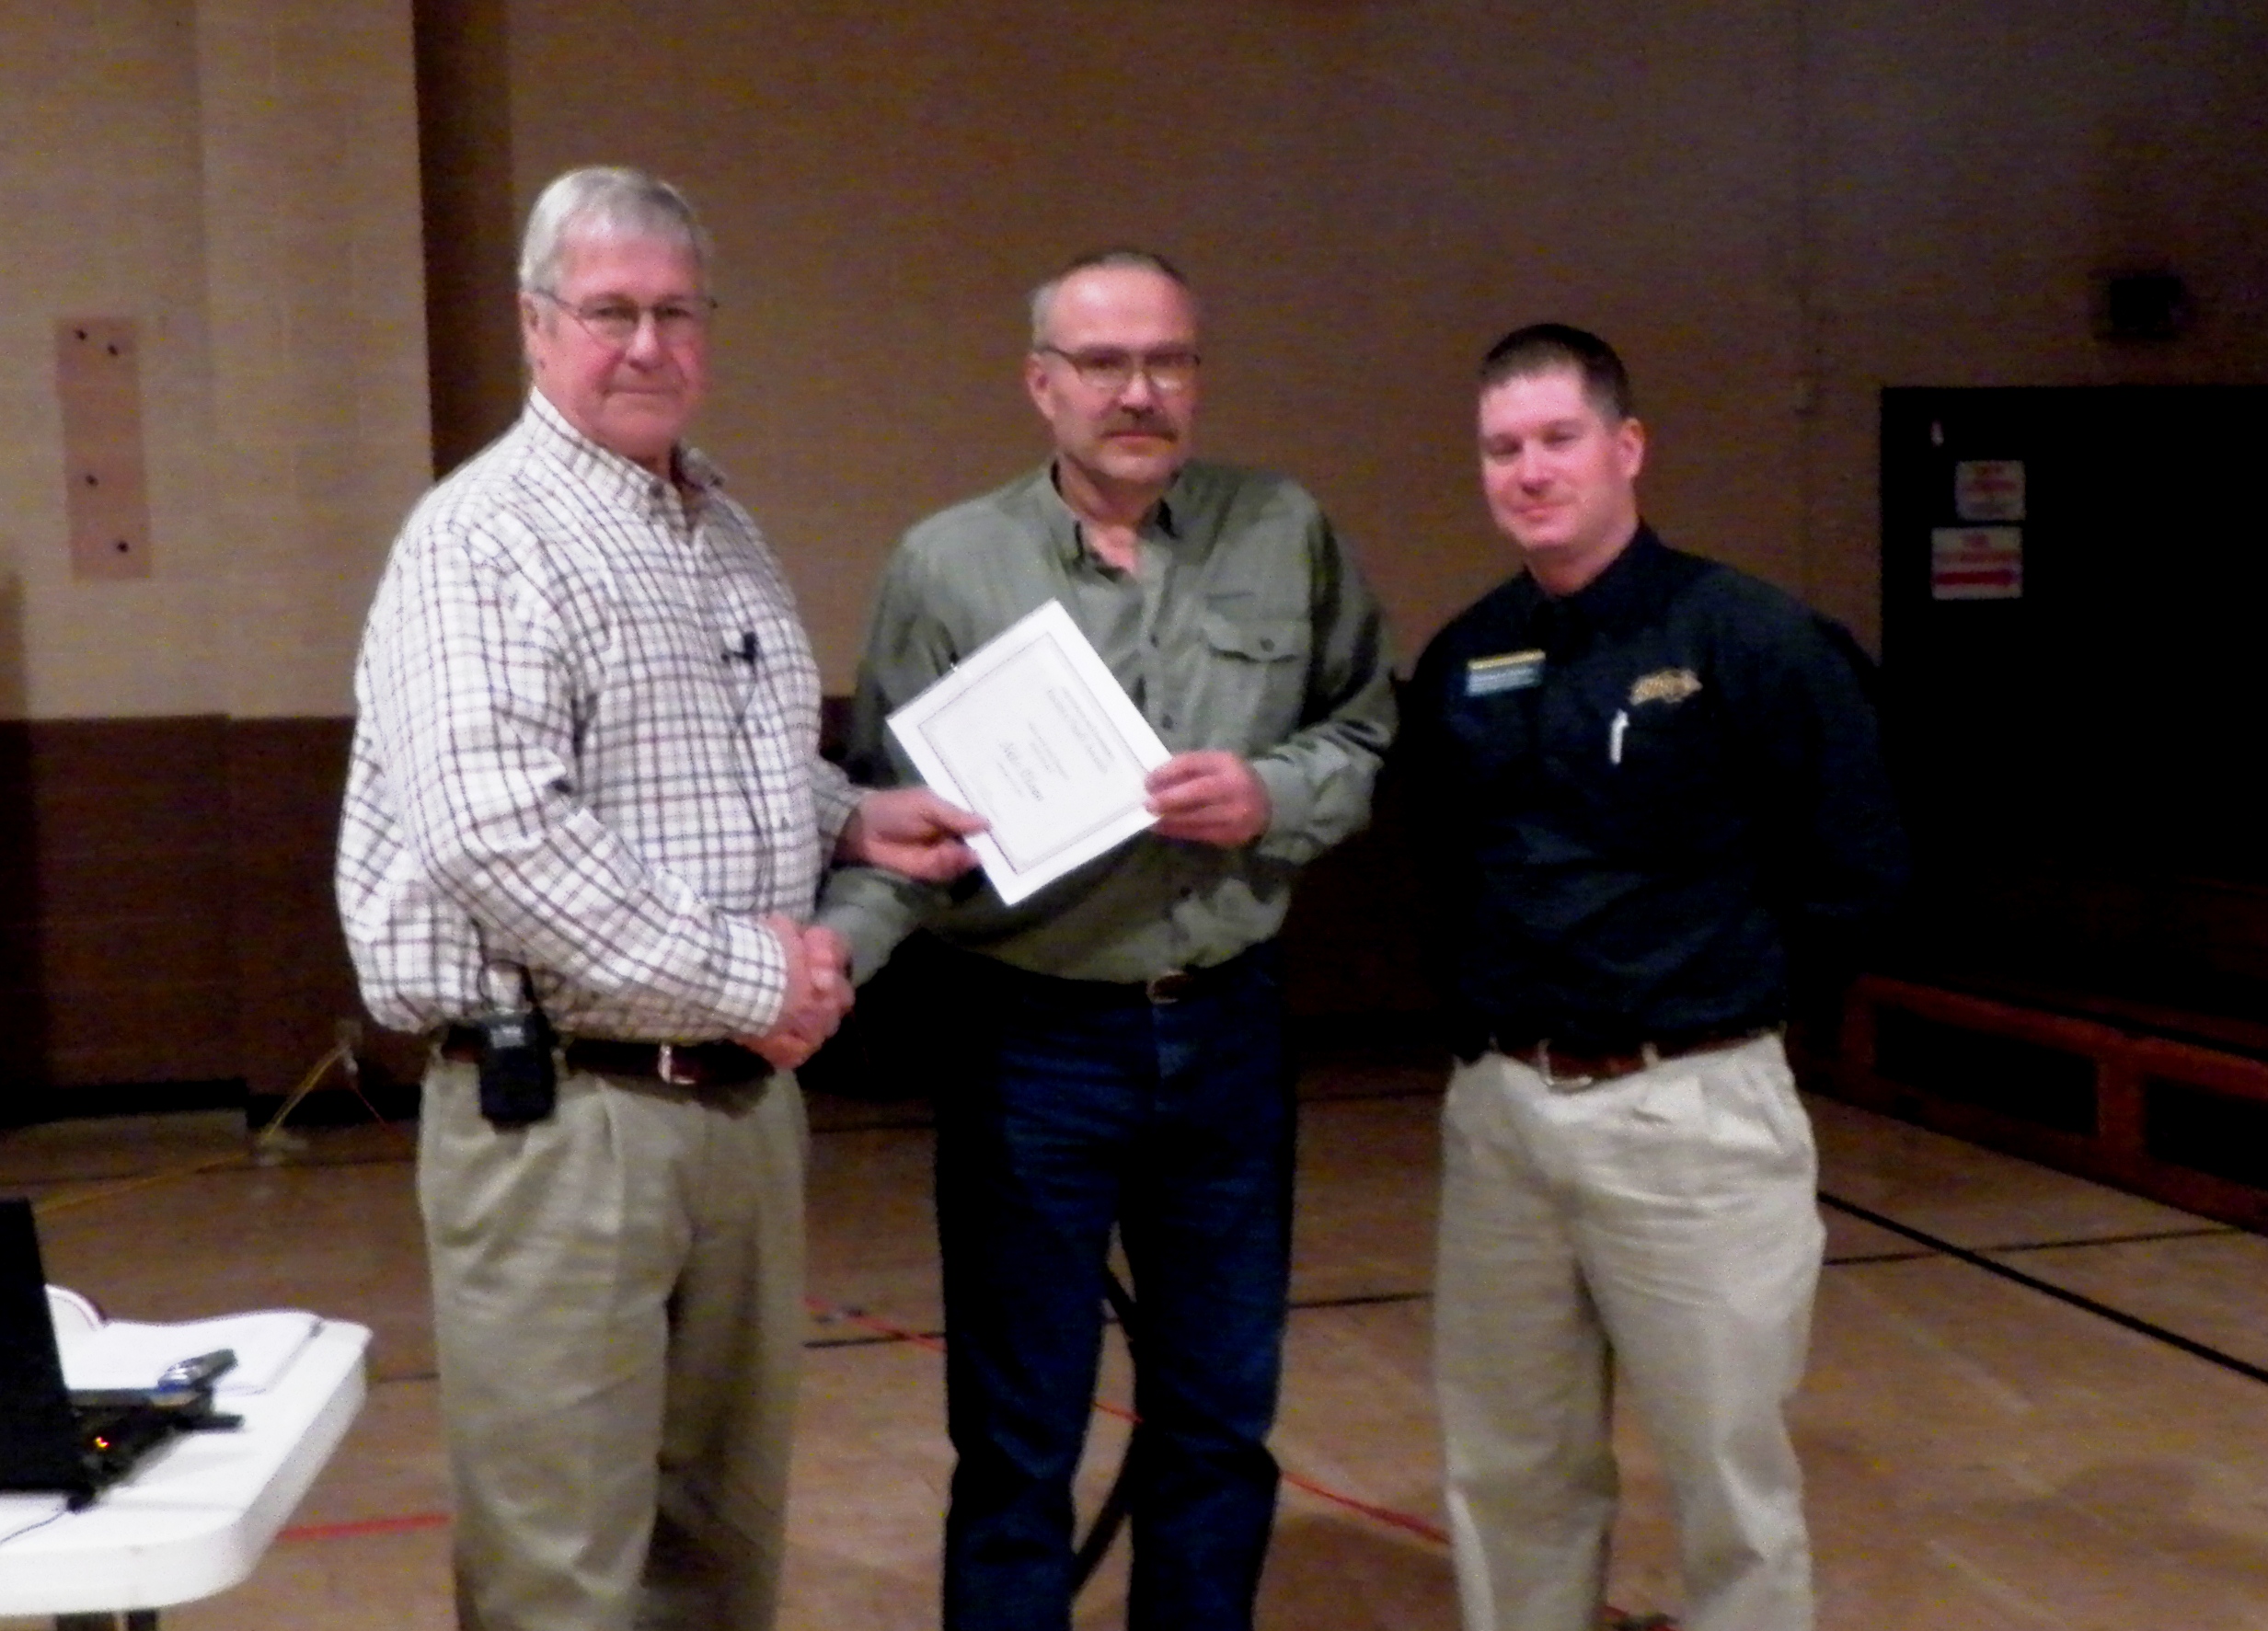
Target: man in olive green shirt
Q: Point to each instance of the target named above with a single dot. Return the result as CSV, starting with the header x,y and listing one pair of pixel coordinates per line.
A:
x,y
1119,1055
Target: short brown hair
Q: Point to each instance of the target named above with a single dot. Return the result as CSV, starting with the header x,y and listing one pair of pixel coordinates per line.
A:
x,y
1543,347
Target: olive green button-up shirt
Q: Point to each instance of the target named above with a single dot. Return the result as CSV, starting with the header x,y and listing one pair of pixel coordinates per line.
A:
x,y
1245,625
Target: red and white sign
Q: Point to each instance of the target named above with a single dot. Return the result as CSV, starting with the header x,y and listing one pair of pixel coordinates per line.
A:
x,y
1977,564
1988,490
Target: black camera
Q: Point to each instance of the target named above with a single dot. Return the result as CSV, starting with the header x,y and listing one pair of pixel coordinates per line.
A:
x,y
519,1077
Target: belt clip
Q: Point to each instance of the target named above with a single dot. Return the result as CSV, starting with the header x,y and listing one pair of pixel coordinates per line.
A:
x,y
1552,1079
665,1067
1166,987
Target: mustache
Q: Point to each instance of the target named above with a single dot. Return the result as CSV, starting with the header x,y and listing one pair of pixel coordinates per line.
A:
x,y
1143,422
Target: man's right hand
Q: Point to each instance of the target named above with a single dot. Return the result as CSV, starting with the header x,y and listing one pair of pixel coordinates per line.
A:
x,y
819,993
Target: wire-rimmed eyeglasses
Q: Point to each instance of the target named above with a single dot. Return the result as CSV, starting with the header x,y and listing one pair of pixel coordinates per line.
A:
x,y
616,322
1111,370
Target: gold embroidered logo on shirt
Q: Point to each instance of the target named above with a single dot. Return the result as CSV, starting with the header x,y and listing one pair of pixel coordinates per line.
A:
x,y
1664,684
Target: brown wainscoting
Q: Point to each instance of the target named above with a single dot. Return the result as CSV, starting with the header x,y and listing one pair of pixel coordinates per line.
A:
x,y
294,983
167,920
166,916
1354,968
2112,1098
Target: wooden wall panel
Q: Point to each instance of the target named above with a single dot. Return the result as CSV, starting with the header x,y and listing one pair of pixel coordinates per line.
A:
x,y
165,904
294,983
120,831
167,915
1352,962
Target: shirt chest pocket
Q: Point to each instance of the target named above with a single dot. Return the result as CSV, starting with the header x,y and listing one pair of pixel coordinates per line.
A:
x,y
1496,744
1255,680
1666,770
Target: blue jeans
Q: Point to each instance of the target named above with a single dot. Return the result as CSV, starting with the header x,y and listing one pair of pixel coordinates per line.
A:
x,y
1080,1107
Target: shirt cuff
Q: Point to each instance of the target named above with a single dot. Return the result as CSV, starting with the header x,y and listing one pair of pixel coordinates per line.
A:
x,y
1290,804
752,985
873,910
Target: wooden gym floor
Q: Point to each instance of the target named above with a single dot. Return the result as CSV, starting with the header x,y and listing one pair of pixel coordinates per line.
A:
x,y
1982,1453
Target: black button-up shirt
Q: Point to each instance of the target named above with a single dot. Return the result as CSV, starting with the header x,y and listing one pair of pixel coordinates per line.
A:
x,y
1639,803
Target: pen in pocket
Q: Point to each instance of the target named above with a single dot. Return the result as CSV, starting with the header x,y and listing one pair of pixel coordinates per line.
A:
x,y
1613,736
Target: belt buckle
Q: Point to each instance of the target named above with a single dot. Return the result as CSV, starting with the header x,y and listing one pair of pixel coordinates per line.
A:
x,y
1167,987
665,1067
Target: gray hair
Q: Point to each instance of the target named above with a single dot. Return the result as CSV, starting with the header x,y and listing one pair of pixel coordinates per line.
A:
x,y
603,200
1044,297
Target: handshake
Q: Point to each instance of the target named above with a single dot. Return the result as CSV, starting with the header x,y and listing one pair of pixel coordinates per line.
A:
x,y
818,993
907,830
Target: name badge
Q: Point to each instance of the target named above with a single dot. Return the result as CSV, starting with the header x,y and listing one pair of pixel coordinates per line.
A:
x,y
1514,670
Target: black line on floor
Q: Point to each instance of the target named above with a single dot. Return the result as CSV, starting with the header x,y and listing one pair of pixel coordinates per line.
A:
x,y
2205,1231
1360,1299
1313,1304
1860,1259
2227,1362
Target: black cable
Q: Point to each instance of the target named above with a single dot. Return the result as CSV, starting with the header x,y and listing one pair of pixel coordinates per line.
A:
x,y
61,1509
1112,1516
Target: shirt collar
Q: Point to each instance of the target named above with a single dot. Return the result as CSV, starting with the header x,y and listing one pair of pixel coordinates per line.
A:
x,y
1062,525
1622,595
606,472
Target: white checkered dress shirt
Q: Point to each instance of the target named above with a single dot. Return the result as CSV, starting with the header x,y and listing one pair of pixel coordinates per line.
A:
x,y
567,758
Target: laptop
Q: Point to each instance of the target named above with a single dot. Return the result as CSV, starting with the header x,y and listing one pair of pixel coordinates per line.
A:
x,y
50,1442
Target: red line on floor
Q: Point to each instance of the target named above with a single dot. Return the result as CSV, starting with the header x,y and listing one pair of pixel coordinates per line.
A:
x,y
1387,1515
1408,1521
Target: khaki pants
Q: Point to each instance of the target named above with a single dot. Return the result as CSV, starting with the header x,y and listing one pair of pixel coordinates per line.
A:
x,y
617,1310
1668,1221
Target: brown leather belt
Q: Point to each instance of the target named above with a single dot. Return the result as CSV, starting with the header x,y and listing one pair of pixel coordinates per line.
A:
x,y
1561,1068
681,1064
1172,986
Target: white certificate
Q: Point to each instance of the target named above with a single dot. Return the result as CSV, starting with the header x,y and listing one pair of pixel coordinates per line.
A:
x,y
1032,733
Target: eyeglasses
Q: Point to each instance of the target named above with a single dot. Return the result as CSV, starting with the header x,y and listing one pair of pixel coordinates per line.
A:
x,y
1111,372
616,322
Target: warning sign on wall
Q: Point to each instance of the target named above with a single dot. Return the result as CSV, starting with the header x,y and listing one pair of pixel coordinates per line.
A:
x,y
1977,564
1988,490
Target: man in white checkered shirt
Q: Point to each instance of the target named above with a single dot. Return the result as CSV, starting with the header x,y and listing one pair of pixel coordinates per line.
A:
x,y
584,824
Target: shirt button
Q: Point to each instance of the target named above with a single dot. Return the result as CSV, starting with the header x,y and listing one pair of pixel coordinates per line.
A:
x,y
1167,721
1267,645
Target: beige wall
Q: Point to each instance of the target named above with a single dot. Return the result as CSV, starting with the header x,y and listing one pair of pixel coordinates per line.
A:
x,y
240,178
1775,209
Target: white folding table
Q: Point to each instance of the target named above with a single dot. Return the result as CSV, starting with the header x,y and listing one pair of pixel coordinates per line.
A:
x,y
195,1516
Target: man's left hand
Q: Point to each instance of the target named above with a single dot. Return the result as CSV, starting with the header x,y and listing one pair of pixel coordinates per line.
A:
x,y
1211,797
912,831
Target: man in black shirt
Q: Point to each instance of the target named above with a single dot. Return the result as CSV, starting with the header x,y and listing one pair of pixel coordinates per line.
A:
x,y
1654,800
